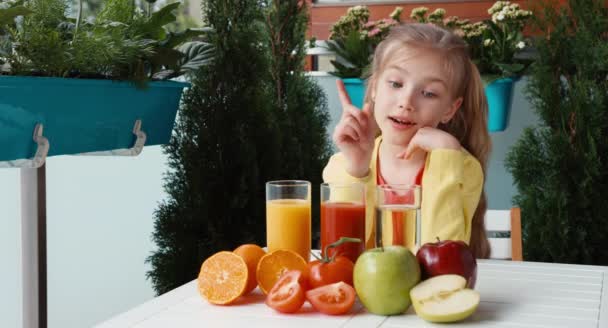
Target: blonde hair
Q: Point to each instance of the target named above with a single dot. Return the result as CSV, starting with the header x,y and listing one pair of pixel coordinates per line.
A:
x,y
469,124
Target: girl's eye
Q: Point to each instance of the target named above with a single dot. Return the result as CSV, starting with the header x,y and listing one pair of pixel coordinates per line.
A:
x,y
428,94
395,85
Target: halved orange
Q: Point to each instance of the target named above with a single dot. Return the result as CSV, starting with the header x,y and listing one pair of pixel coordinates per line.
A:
x,y
223,278
252,254
273,265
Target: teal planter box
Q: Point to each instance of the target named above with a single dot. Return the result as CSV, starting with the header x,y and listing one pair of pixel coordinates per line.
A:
x,y
499,94
83,115
356,91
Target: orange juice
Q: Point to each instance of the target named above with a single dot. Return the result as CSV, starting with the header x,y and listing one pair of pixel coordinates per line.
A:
x,y
288,226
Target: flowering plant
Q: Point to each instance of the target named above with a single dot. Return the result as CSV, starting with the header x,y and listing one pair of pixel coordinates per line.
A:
x,y
493,43
354,38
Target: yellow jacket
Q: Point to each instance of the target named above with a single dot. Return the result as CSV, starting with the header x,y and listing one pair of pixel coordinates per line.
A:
x,y
451,187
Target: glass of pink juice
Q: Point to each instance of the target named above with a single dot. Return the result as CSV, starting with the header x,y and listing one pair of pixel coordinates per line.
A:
x,y
343,215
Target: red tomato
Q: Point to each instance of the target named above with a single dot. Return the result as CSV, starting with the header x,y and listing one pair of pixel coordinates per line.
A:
x,y
336,298
321,273
287,295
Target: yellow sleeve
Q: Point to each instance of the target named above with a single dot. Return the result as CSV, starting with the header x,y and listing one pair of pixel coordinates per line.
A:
x,y
335,171
451,187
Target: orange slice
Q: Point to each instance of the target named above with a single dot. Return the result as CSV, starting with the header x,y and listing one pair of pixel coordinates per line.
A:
x,y
252,254
273,265
223,278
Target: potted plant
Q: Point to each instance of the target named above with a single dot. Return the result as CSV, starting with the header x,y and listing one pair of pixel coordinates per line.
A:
x,y
88,81
353,39
494,45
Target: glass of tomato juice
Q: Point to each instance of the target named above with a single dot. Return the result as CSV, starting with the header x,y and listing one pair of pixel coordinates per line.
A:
x,y
343,215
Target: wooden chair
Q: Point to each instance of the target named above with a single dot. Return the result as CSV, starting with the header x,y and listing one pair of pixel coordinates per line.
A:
x,y
500,221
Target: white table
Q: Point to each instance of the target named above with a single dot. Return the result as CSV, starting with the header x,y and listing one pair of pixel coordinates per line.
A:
x,y
513,294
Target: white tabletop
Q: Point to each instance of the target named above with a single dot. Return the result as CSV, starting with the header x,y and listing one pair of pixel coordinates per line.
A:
x,y
513,294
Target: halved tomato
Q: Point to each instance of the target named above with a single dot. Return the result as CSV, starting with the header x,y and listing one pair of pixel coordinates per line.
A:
x,y
336,298
287,295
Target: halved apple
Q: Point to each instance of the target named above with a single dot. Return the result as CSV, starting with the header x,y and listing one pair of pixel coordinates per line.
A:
x,y
444,299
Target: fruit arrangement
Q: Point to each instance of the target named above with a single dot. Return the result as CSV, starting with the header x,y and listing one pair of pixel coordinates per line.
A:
x,y
437,281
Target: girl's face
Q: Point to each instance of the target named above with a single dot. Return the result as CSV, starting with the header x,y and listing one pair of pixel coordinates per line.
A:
x,y
412,92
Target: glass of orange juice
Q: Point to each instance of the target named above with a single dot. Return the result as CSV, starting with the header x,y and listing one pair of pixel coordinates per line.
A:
x,y
288,212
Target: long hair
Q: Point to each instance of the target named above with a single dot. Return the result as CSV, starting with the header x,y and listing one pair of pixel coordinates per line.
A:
x,y
469,124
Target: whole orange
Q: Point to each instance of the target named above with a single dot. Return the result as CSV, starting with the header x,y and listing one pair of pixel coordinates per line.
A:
x,y
252,254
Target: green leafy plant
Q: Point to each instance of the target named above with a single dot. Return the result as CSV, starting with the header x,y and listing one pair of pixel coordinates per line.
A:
x,y
223,149
559,165
354,39
494,43
251,116
121,43
299,104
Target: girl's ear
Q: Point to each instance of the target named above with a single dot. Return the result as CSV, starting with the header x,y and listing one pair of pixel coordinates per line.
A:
x,y
452,110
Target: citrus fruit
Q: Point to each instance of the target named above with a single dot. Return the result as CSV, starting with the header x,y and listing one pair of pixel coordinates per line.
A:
x,y
252,254
223,278
273,265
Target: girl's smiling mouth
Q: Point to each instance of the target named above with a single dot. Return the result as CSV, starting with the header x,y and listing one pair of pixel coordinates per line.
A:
x,y
400,122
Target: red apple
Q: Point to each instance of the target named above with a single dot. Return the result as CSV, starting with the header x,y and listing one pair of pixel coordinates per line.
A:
x,y
447,257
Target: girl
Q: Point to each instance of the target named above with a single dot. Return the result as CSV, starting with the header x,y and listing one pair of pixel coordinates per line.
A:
x,y
424,122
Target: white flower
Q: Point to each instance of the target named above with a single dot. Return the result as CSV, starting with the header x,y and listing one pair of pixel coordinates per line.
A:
x,y
499,16
488,42
521,45
498,6
419,12
439,12
396,13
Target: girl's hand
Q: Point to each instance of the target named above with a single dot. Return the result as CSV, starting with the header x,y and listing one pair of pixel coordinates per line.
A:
x,y
354,135
427,139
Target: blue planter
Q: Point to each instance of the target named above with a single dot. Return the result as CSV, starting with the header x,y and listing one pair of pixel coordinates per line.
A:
x,y
81,115
356,91
499,94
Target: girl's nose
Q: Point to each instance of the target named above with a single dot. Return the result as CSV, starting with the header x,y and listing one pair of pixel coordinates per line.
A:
x,y
406,100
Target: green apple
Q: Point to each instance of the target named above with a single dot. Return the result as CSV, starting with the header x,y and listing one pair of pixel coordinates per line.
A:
x,y
444,299
383,278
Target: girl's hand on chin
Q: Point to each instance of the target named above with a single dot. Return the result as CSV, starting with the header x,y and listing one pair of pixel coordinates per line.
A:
x,y
426,139
355,134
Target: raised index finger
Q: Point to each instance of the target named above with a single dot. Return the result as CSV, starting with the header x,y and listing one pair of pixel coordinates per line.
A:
x,y
344,98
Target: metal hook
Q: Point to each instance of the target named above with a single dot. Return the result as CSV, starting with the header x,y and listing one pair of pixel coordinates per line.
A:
x,y
43,147
137,148
40,155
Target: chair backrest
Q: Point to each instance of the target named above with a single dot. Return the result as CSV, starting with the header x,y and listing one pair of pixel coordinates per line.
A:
x,y
500,222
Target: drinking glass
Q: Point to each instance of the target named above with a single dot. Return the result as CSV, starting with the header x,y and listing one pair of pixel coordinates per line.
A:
x,y
343,215
398,216
288,218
